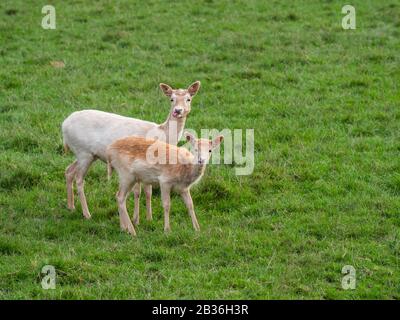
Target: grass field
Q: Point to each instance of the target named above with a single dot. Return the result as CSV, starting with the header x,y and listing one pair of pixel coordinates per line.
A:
x,y
324,104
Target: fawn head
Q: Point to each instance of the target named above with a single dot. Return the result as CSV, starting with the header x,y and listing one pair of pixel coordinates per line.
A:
x,y
202,148
181,99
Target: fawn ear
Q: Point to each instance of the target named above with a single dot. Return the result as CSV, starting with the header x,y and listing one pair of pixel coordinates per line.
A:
x,y
189,137
166,89
193,88
217,141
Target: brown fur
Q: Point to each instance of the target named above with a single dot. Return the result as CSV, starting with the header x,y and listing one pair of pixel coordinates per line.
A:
x,y
136,148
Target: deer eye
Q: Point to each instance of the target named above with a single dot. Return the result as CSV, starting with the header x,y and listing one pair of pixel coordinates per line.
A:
x,y
172,100
209,151
188,100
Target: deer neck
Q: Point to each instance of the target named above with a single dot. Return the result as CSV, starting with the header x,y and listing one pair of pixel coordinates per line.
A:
x,y
173,129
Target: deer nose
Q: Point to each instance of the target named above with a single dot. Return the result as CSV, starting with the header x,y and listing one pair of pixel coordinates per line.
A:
x,y
179,110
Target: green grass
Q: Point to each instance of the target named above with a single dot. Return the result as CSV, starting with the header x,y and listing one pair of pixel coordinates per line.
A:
x,y
324,103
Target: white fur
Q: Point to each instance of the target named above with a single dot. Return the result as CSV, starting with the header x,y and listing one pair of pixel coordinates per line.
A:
x,y
88,133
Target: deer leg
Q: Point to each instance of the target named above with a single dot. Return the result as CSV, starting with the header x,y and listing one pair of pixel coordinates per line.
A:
x,y
70,173
136,191
148,191
166,200
81,170
187,198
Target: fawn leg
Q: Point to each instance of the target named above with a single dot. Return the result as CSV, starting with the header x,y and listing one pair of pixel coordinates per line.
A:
x,y
136,191
125,222
148,191
187,198
166,200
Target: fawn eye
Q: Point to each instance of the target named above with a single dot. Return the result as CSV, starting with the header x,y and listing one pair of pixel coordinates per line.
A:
x,y
209,151
188,100
172,100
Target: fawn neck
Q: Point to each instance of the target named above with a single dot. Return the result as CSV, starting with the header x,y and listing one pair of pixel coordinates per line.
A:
x,y
194,172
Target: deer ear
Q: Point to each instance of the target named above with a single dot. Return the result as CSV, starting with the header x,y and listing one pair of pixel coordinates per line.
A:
x,y
217,141
193,88
166,89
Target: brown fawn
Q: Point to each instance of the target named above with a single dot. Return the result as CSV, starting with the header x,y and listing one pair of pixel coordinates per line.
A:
x,y
132,158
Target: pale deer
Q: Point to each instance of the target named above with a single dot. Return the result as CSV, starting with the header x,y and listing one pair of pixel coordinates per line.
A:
x,y
130,158
87,134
